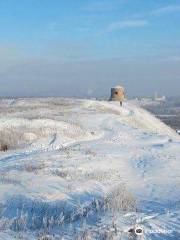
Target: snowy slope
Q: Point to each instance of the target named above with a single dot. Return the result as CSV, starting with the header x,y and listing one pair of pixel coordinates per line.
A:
x,y
83,169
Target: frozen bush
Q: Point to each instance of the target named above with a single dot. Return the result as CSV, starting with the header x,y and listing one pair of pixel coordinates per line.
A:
x,y
45,237
33,167
85,235
119,199
61,173
10,138
6,178
3,147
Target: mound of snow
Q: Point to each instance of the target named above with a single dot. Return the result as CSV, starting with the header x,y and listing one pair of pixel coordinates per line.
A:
x,y
135,116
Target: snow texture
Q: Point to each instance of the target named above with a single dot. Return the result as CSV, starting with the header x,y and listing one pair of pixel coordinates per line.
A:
x,y
86,169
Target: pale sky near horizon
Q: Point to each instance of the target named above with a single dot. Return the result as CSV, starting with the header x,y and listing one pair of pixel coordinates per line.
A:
x,y
81,48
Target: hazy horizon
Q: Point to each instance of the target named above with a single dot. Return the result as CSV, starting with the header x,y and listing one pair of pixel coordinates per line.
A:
x,y
83,48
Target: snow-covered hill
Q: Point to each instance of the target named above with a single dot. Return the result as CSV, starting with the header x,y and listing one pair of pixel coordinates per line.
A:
x,y
83,169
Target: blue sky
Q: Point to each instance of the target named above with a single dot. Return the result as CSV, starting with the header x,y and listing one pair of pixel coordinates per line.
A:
x,y
87,44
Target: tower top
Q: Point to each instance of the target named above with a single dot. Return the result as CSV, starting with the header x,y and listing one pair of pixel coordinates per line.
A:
x,y
118,87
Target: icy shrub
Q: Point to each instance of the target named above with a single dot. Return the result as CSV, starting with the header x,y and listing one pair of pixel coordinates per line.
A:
x,y
5,178
101,176
106,236
79,174
4,224
45,237
60,173
3,147
85,235
19,136
30,214
33,167
119,199
10,139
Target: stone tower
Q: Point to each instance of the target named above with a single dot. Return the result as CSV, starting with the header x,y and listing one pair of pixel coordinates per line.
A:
x,y
117,94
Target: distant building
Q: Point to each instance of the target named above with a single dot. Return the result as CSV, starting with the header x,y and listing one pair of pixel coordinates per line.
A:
x,y
117,94
159,98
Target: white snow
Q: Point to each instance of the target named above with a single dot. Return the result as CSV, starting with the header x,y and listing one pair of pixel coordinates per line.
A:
x,y
70,158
